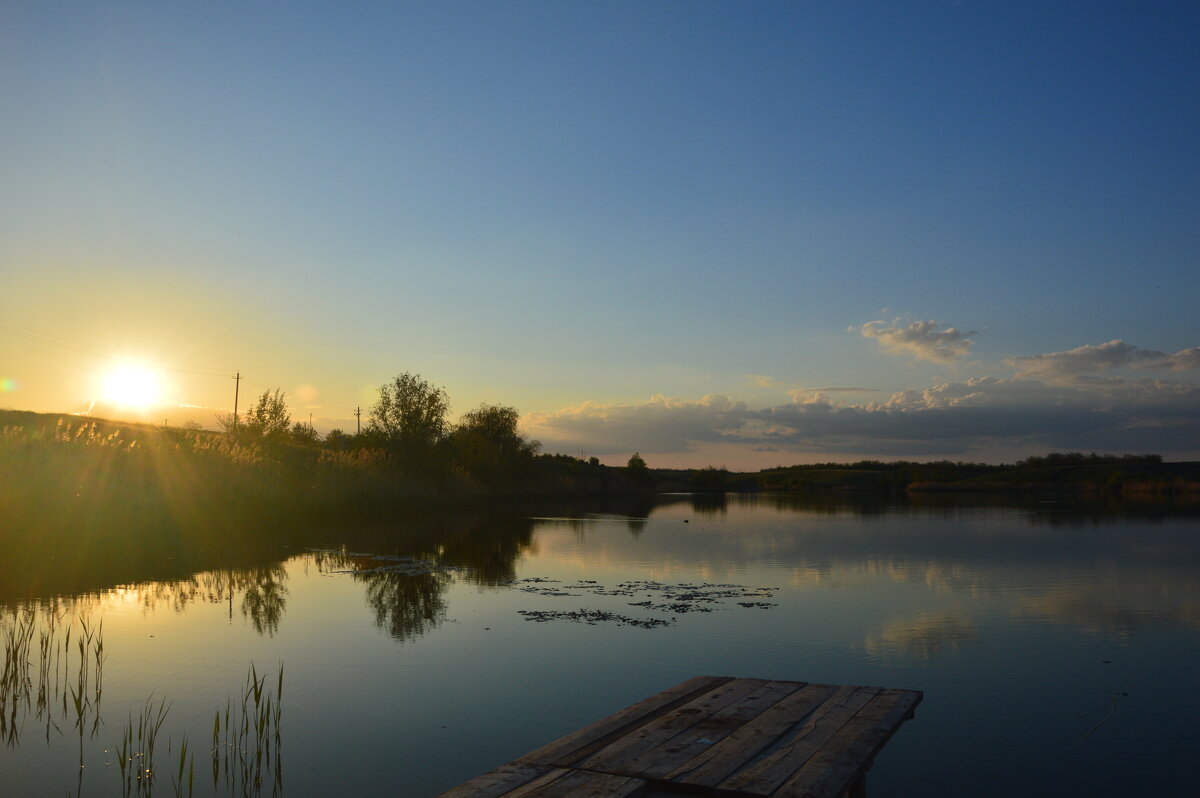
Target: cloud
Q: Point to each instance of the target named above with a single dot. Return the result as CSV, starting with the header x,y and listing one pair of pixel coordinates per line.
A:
x,y
954,418
1090,358
810,395
838,389
761,380
920,339
923,636
661,424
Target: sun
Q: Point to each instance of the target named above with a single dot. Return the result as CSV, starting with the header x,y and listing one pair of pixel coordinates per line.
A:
x,y
133,385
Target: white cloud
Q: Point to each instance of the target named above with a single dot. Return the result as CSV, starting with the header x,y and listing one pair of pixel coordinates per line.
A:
x,y
1055,401
920,339
1089,359
948,419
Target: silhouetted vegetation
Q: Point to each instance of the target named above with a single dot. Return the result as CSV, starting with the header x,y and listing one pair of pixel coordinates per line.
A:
x,y
1073,471
62,476
710,478
263,462
1079,458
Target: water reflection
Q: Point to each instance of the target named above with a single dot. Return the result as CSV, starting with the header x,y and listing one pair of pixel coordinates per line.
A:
x,y
479,548
923,636
42,668
1117,607
1051,509
941,593
710,503
406,605
264,598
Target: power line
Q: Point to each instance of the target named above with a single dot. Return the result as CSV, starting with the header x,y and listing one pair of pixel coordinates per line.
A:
x,y
67,344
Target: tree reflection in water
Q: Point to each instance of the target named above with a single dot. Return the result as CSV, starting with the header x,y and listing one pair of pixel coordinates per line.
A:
x,y
265,598
406,590
406,605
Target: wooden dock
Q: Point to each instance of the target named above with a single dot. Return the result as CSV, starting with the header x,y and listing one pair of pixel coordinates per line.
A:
x,y
714,736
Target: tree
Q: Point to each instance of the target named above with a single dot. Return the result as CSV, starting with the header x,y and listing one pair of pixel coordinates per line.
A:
x,y
637,471
304,433
337,439
268,418
497,425
410,413
487,444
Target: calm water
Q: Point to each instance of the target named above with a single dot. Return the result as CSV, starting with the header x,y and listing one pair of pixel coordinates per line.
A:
x,y
1056,646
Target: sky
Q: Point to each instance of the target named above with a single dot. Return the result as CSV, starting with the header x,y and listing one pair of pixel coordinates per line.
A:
x,y
739,234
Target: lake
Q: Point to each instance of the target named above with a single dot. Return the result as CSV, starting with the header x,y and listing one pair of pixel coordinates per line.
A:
x,y
1056,643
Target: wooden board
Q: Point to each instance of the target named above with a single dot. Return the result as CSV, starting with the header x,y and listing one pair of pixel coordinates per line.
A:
x,y
582,743
716,736
498,782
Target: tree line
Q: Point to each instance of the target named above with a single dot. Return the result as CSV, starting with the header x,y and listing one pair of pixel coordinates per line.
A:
x,y
409,425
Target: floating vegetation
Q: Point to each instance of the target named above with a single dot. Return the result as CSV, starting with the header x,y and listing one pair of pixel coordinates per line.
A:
x,y
673,599
678,607
593,617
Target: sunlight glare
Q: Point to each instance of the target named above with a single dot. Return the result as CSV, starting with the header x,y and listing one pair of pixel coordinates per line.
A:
x,y
133,386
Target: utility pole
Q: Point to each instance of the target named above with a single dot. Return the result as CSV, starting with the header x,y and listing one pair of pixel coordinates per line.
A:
x,y
358,421
237,384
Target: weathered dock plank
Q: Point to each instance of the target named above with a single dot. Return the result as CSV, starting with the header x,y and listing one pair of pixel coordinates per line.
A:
x,y
716,736
700,738
748,743
792,749
849,753
628,755
583,742
495,783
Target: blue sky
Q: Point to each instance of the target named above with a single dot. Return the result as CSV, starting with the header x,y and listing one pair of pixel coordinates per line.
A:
x,y
576,207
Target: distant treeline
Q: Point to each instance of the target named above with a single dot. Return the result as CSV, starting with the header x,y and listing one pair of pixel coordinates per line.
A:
x,y
1069,471
1053,459
1078,458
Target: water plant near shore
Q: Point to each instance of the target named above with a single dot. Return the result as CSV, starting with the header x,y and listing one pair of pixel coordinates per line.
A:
x,y
39,680
246,748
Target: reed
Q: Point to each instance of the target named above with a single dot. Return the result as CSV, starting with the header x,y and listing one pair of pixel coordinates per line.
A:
x,y
187,764
136,750
54,671
246,747
52,680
